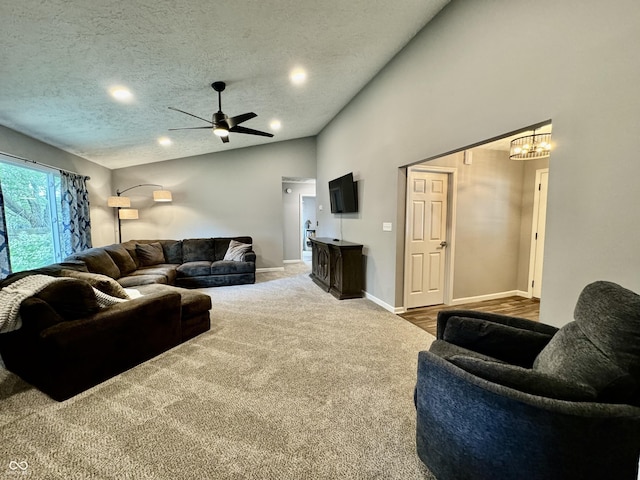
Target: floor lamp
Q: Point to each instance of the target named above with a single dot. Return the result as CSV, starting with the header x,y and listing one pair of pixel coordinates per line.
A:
x,y
123,204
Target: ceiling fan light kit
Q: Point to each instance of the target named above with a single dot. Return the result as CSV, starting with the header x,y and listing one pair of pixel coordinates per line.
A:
x,y
222,124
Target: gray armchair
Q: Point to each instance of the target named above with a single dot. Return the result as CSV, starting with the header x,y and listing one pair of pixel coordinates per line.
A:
x,y
500,397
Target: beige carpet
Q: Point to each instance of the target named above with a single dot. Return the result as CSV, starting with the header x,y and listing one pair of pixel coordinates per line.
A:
x,y
290,383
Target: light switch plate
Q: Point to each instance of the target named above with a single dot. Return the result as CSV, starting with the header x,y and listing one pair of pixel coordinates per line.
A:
x,y
386,226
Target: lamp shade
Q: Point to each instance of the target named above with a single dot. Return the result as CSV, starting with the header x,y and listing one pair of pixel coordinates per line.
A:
x,y
128,214
162,196
122,202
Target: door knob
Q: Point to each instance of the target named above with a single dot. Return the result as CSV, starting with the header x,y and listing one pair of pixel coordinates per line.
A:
x,y
443,243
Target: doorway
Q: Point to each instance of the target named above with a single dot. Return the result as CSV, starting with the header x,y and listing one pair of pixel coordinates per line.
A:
x,y
493,221
308,225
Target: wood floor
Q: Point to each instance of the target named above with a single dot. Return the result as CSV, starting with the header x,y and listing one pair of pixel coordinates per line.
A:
x,y
515,306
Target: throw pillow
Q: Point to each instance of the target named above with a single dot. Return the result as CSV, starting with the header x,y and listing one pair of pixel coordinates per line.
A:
x,y
105,300
236,251
121,258
514,345
70,298
525,380
149,254
101,282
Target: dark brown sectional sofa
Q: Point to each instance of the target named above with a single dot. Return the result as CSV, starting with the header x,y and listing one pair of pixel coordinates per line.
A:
x,y
69,342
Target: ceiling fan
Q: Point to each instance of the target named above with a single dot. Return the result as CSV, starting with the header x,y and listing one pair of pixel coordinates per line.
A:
x,y
221,123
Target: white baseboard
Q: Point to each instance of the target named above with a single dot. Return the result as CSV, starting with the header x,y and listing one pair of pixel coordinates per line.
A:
x,y
490,296
292,261
270,269
385,305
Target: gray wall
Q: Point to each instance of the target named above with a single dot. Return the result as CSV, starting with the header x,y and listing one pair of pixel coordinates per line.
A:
x,y
475,73
102,230
291,212
238,192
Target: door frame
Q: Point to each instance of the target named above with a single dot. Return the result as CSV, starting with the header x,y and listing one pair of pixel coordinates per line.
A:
x,y
452,195
534,228
301,228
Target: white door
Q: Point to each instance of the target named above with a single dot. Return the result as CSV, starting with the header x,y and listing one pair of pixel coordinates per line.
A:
x,y
542,179
426,238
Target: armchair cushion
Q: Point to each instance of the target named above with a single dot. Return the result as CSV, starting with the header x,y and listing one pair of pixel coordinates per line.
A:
x,y
512,344
525,379
571,355
609,316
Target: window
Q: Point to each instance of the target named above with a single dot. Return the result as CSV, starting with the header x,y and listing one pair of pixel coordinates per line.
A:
x,y
32,208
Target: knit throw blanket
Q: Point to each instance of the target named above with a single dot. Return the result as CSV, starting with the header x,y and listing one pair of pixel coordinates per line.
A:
x,y
12,296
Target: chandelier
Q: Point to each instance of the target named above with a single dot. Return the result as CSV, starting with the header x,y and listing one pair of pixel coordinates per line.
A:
x,y
531,147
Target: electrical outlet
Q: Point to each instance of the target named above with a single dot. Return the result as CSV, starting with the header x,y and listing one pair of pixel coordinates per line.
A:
x,y
387,226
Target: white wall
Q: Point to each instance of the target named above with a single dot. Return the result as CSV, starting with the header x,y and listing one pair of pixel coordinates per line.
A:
x,y
99,186
477,71
238,192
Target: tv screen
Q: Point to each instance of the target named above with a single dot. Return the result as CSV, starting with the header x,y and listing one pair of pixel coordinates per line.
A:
x,y
343,194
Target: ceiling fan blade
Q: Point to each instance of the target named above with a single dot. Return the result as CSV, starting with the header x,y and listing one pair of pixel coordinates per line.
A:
x,y
225,139
190,128
238,119
250,131
191,114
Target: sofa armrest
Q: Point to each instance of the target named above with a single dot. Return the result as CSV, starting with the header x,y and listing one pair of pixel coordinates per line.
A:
x,y
468,424
517,322
149,322
249,256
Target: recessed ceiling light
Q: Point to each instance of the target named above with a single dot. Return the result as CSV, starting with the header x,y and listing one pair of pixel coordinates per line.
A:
x,y
165,141
298,76
275,124
121,94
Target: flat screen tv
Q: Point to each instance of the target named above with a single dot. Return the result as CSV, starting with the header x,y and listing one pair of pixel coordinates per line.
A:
x,y
343,194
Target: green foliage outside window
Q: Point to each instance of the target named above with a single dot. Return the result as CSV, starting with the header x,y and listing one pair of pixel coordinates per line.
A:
x,y
30,211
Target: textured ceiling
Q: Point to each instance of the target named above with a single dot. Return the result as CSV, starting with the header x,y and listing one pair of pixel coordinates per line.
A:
x,y
60,57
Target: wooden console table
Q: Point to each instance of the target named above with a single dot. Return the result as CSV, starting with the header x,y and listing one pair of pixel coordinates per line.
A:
x,y
336,266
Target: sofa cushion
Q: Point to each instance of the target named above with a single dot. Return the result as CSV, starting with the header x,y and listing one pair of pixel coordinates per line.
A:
x,y
571,355
136,280
236,251
194,269
98,260
197,249
172,251
525,379
225,267
71,298
130,247
515,345
150,254
101,282
166,269
609,316
193,302
121,258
